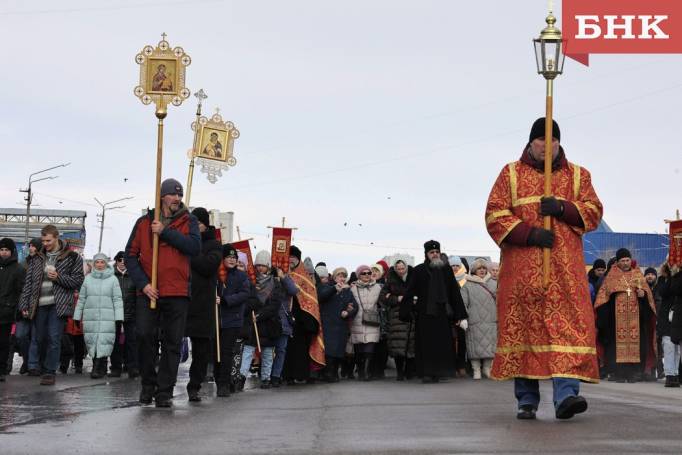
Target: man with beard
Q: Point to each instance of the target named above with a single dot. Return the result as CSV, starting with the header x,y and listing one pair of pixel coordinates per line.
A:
x,y
434,286
626,319
306,346
544,332
179,241
201,315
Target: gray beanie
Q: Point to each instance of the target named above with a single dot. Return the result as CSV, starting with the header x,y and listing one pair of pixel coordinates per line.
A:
x,y
321,271
101,256
262,258
171,186
308,265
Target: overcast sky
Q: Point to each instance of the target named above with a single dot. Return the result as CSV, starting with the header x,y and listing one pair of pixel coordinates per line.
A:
x,y
391,117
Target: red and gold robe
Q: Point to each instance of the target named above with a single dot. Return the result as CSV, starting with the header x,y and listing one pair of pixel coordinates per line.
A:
x,y
543,333
307,300
623,287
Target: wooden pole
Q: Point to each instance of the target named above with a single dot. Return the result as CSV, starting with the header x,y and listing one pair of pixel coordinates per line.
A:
x,y
546,258
161,113
255,328
217,327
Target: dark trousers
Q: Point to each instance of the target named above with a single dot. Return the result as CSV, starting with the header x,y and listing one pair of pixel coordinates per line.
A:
x,y
169,316
73,348
126,351
5,333
223,371
378,363
201,352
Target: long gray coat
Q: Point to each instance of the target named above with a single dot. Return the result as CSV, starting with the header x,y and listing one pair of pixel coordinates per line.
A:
x,y
367,297
481,335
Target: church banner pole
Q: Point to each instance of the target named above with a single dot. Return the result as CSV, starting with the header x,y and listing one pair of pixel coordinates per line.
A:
x,y
201,96
162,81
547,220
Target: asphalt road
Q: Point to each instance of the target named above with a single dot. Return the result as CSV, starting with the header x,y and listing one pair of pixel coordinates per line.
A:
x,y
87,416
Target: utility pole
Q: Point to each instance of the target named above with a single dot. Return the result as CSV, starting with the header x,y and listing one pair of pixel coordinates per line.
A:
x,y
29,195
101,216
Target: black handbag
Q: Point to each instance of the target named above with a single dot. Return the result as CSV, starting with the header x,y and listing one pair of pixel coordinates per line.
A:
x,y
369,317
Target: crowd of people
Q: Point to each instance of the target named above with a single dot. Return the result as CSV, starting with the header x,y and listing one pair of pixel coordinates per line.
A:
x,y
438,319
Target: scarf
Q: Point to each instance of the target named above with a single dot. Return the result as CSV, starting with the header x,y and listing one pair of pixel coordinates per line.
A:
x,y
437,295
264,286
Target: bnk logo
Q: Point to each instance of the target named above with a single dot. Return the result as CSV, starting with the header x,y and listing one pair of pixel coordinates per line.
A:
x,y
621,27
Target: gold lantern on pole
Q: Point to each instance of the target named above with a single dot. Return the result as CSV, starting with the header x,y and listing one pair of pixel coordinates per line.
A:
x,y
549,57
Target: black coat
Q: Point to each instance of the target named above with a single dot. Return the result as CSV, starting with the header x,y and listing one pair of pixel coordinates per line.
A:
x,y
11,282
663,291
201,311
336,329
267,317
128,292
434,346
399,332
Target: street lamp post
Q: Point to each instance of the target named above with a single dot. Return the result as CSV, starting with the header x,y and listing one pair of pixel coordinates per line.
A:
x,y
104,211
549,58
29,194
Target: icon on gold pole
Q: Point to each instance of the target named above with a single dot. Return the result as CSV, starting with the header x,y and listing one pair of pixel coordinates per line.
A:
x,y
214,149
162,80
549,58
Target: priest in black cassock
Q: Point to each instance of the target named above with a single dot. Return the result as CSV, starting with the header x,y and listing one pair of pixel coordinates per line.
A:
x,y
435,288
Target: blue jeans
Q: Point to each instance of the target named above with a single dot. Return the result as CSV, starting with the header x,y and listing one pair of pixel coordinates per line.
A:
x,y
671,357
265,361
47,328
280,355
23,337
527,391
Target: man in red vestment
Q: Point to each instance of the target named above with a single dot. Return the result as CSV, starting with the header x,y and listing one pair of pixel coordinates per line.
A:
x,y
544,333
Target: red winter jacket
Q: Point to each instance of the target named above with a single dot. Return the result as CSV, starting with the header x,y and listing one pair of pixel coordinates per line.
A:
x,y
178,242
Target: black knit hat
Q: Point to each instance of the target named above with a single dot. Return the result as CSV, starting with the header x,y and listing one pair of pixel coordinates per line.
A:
x,y
229,250
120,255
295,252
202,215
623,253
538,130
9,244
650,270
431,245
37,243
599,264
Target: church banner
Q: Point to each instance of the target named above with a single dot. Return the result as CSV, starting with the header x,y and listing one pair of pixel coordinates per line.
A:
x,y
281,243
675,258
245,247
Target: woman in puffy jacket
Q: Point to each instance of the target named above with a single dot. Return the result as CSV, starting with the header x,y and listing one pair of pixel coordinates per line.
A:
x,y
365,330
99,309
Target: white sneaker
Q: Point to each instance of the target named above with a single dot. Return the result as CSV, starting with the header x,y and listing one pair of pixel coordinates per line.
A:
x,y
477,374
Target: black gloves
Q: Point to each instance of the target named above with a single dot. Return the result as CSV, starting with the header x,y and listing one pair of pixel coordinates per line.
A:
x,y
541,237
550,206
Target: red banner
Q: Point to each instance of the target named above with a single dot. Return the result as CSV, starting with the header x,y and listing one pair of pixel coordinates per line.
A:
x,y
675,258
621,27
281,243
245,247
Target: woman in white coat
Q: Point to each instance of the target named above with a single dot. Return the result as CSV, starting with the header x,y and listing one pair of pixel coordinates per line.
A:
x,y
365,330
99,309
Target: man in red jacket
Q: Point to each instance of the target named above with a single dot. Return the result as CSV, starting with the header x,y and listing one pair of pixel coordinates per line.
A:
x,y
179,240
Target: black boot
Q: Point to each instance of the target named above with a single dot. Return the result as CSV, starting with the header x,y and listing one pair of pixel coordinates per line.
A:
x,y
400,368
96,371
223,390
410,369
362,367
671,381
335,370
368,367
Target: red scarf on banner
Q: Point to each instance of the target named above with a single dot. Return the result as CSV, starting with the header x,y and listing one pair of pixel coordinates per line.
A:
x,y
245,247
281,243
675,259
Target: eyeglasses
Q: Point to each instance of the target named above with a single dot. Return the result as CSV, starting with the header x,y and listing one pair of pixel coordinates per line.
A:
x,y
365,273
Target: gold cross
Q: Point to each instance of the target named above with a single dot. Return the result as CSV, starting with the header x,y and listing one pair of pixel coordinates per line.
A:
x,y
163,35
629,292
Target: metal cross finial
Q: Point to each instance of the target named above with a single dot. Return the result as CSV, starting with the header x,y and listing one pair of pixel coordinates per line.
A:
x,y
163,36
201,96
217,110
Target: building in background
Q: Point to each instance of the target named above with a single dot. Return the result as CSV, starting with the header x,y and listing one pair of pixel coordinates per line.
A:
x,y
71,225
649,250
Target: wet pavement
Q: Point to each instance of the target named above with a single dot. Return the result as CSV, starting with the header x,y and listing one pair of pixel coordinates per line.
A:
x,y
81,415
